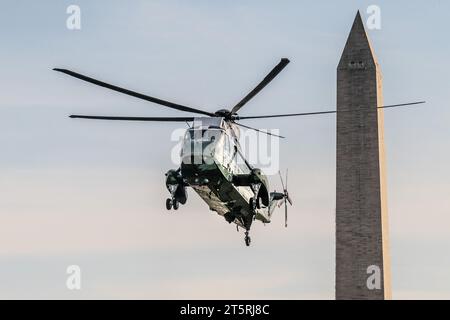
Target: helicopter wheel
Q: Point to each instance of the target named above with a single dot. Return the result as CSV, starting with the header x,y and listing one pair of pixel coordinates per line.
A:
x,y
169,204
248,240
176,205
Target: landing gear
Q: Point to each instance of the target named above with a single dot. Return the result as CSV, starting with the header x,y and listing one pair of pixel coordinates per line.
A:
x,y
258,202
169,204
255,202
247,239
172,203
177,192
242,221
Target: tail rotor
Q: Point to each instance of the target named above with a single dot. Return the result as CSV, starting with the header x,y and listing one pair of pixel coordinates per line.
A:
x,y
285,196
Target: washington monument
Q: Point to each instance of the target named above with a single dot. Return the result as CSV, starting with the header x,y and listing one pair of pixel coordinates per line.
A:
x,y
362,250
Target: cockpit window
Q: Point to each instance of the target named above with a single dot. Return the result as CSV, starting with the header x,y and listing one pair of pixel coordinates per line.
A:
x,y
200,141
203,134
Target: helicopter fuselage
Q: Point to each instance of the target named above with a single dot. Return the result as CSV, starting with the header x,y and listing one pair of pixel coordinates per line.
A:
x,y
212,164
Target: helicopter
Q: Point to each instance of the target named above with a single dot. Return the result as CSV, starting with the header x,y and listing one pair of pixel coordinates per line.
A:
x,y
212,161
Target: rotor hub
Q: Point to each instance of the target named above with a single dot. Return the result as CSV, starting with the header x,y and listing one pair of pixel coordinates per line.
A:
x,y
225,113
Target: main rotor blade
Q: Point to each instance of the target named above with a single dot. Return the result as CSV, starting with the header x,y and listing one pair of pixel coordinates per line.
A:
x,y
159,119
275,71
133,93
251,128
322,112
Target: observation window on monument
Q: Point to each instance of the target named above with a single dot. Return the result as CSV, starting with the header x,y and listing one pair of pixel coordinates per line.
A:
x,y
357,65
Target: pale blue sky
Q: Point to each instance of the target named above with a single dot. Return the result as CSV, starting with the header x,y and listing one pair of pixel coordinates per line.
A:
x,y
92,193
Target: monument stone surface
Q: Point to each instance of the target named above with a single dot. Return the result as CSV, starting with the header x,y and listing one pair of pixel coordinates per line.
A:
x,y
362,251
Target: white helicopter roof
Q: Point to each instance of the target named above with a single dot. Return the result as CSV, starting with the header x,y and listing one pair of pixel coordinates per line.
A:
x,y
208,122
216,122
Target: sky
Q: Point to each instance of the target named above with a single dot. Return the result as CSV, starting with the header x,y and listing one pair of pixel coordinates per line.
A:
x,y
92,193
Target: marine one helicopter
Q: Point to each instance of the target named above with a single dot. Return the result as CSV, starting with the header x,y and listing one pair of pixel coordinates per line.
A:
x,y
212,162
